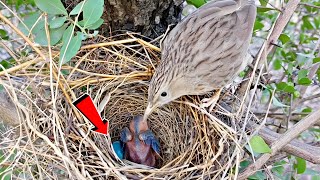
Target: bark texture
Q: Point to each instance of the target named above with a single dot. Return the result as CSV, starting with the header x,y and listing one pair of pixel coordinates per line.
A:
x,y
148,17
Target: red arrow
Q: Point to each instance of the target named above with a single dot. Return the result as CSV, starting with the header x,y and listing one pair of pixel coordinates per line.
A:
x,y
85,105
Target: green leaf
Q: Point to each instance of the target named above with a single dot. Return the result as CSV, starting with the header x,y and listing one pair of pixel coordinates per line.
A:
x,y
4,173
316,60
304,81
76,10
57,22
96,24
243,165
71,49
264,9
304,58
277,103
242,74
290,68
300,165
316,177
51,6
302,77
264,2
306,23
5,64
37,27
196,3
67,34
302,73
4,34
284,38
286,87
259,145
277,64
265,97
259,175
29,22
307,110
296,94
92,11
278,167
55,36
258,25
311,172
65,72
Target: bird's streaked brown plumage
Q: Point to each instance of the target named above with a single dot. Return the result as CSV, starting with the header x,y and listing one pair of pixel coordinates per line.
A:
x,y
205,51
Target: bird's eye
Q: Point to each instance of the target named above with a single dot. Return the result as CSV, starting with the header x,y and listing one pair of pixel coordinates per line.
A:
x,y
163,94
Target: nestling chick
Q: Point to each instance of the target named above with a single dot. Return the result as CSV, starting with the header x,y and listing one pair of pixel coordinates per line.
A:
x,y
204,52
141,145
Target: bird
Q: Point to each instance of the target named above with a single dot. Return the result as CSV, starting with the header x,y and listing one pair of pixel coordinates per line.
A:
x,y
118,148
203,52
140,144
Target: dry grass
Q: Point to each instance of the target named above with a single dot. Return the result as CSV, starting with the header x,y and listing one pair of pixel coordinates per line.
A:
x,y
54,141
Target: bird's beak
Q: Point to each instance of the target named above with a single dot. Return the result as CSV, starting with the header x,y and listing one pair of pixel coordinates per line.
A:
x,y
148,111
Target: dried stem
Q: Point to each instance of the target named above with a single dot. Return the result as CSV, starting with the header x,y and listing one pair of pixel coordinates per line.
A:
x,y
282,141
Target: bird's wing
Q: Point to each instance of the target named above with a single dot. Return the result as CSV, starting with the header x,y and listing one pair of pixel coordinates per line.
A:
x,y
189,23
202,29
125,135
149,138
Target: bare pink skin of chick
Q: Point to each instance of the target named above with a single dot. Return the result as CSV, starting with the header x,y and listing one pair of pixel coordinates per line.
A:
x,y
141,146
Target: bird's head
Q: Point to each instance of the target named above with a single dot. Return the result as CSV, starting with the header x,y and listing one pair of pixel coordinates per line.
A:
x,y
138,124
164,88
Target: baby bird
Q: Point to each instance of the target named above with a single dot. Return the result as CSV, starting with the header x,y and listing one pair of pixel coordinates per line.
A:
x,y
204,52
140,144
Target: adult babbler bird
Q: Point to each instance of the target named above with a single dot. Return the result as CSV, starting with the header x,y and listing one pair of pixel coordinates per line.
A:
x,y
140,144
204,52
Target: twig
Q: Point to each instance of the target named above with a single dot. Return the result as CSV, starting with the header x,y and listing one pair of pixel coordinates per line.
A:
x,y
109,43
310,5
8,50
295,147
36,60
275,32
313,69
282,141
312,97
278,114
281,22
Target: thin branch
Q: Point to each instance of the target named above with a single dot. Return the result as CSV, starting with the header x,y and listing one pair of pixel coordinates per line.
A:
x,y
282,22
313,69
295,147
309,98
310,5
282,141
275,32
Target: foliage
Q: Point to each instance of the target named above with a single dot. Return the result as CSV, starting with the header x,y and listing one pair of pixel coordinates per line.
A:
x,y
63,27
294,56
196,3
6,172
259,145
300,165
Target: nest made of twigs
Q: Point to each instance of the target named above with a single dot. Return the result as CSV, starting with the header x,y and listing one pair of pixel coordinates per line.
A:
x,y
55,140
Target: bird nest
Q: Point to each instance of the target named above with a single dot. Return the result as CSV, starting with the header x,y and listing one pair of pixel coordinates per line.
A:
x,y
53,140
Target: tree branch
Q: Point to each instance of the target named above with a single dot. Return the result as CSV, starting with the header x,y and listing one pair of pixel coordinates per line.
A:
x,y
281,142
295,147
275,32
282,22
